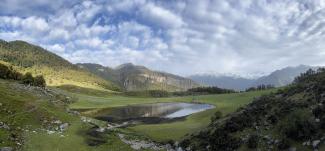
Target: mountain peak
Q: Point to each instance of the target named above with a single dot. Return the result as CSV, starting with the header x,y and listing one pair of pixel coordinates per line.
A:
x,y
130,66
125,65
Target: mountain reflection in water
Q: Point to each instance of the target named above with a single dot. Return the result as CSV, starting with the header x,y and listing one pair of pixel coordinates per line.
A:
x,y
152,111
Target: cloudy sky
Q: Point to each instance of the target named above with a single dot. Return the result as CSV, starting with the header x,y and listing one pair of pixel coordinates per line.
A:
x,y
246,37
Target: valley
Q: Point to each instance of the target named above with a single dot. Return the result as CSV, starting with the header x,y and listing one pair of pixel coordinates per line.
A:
x,y
38,113
226,103
131,107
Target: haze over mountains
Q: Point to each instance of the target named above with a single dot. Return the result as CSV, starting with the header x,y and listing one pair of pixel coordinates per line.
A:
x,y
134,77
58,71
277,78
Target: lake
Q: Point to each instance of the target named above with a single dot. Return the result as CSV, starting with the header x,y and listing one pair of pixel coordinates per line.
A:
x,y
151,113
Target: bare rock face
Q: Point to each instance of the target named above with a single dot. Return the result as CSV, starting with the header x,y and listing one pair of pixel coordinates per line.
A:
x,y
136,78
141,78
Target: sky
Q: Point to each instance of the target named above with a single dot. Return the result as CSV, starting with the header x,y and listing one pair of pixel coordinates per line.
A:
x,y
185,37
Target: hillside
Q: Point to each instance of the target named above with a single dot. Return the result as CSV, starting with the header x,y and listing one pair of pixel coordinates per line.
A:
x,y
106,73
291,119
277,78
282,77
57,71
134,78
227,82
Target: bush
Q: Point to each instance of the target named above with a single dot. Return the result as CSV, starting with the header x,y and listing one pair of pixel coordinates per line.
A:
x,y
297,126
222,140
210,90
283,144
158,93
4,70
273,119
319,111
39,81
322,123
9,73
217,115
28,79
253,141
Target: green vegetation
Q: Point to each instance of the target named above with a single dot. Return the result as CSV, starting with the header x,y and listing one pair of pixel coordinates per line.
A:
x,y
9,73
148,93
25,57
292,117
260,87
28,79
209,90
27,113
225,103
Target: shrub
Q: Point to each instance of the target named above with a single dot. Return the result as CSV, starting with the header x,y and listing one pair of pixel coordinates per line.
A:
x,y
273,119
39,81
217,115
322,123
253,141
297,126
4,70
9,73
158,93
283,144
222,140
28,79
319,111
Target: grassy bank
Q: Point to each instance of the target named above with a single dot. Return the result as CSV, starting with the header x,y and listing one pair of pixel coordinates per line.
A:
x,y
24,110
226,103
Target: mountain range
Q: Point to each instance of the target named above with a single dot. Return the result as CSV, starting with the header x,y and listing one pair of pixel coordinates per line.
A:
x,y
26,57
277,78
134,77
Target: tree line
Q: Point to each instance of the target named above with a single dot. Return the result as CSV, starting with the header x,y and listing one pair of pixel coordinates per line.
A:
x,y
260,87
27,79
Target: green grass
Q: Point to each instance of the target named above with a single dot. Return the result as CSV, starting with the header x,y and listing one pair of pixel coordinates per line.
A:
x,y
27,109
226,103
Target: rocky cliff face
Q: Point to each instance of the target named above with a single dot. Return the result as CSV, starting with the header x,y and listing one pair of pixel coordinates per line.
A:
x,y
141,78
135,78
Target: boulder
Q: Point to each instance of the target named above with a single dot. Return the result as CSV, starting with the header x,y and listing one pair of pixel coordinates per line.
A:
x,y
6,149
57,122
292,149
315,143
64,126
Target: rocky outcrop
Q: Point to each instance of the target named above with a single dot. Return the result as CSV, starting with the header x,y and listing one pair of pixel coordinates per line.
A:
x,y
136,78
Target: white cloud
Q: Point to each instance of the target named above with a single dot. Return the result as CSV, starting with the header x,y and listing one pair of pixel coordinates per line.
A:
x,y
160,16
184,37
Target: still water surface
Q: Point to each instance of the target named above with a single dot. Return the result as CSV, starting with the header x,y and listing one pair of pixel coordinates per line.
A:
x,y
152,111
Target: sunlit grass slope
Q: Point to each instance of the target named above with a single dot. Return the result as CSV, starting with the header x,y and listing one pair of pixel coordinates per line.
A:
x,y
57,71
24,109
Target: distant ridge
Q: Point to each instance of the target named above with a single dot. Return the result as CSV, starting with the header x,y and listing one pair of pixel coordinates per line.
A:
x,y
135,78
277,78
57,71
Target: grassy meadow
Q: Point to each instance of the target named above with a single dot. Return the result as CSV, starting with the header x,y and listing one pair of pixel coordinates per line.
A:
x,y
226,103
23,110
